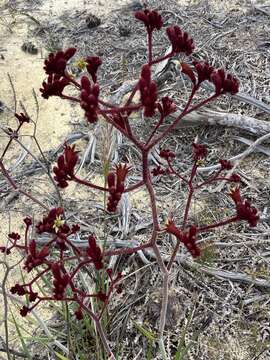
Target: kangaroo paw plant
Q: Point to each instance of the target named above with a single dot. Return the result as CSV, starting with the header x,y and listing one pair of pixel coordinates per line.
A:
x,y
54,258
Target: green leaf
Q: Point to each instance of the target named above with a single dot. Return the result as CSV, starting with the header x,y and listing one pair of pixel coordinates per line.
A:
x,y
60,357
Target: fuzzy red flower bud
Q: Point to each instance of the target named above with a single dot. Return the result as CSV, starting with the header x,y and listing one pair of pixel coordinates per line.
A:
x,y
151,19
35,258
204,71
22,118
54,86
24,311
225,164
94,252
93,63
79,314
188,238
199,151
148,91
89,99
167,107
180,40
64,171
224,83
244,210
167,154
116,184
50,222
18,289
56,63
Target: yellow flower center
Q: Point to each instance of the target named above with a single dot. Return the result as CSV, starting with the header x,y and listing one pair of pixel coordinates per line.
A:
x,y
58,222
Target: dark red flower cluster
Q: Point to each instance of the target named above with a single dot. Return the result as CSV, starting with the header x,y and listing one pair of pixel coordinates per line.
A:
x,y
49,222
167,154
35,258
166,107
180,40
148,90
151,19
204,71
89,99
94,252
64,171
244,209
60,281
224,83
225,164
54,86
158,170
18,289
188,238
24,310
22,118
56,63
93,63
199,151
116,184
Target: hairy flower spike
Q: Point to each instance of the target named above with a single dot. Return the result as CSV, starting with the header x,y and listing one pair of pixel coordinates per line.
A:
x,y
93,63
199,151
180,40
35,258
22,118
148,90
48,222
54,86
64,171
166,107
89,99
167,154
116,184
56,63
94,252
224,83
151,19
60,282
204,71
225,164
188,238
244,210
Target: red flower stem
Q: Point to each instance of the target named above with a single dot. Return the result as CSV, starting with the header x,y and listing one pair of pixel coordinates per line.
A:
x,y
221,223
15,187
71,98
9,142
72,80
134,187
211,179
79,266
176,173
184,113
162,58
174,254
126,251
149,186
87,183
128,134
155,129
99,329
150,46
37,277
122,109
131,96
